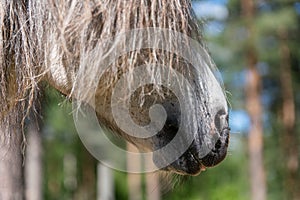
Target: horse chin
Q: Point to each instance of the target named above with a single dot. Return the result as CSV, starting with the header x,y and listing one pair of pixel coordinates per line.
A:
x,y
187,164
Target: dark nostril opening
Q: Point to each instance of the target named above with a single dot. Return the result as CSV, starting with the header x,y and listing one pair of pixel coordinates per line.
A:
x,y
218,145
221,120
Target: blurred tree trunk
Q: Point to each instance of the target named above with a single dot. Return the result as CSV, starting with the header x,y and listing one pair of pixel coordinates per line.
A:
x,y
87,170
255,138
105,186
33,161
289,138
254,107
152,185
134,180
11,176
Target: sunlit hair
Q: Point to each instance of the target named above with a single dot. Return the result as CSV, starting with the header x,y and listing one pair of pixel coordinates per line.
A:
x,y
30,31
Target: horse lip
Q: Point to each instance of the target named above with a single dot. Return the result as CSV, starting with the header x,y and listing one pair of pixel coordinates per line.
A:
x,y
201,166
217,155
188,156
190,163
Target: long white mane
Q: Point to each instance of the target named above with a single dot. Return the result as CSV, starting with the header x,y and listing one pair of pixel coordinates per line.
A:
x,y
64,39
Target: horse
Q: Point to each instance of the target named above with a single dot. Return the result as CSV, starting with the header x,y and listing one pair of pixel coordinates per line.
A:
x,y
141,65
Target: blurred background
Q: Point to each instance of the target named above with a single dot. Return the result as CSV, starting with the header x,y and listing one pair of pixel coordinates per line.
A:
x,y
256,46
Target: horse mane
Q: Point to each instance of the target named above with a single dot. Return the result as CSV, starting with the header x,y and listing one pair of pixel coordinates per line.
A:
x,y
31,30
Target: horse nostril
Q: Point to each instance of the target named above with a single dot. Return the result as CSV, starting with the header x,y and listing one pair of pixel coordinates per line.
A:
x,y
221,120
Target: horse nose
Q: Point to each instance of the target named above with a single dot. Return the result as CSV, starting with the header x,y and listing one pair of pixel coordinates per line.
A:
x,y
221,120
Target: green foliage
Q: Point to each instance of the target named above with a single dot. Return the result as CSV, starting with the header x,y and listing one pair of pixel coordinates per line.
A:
x,y
121,186
60,139
271,22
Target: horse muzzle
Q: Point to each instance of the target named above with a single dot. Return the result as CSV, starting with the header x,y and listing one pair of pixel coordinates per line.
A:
x,y
193,161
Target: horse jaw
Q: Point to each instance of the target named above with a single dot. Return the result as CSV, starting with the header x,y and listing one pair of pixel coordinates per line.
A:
x,y
209,118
